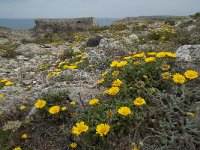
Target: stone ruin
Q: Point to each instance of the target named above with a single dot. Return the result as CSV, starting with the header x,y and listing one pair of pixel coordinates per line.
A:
x,y
64,25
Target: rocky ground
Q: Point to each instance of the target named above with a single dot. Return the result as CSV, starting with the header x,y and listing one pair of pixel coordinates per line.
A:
x,y
28,69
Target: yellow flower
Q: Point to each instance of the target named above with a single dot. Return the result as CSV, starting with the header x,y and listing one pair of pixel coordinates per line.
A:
x,y
73,145
24,136
112,91
57,70
149,59
102,129
73,103
2,96
114,64
191,74
22,107
172,55
121,64
17,148
191,114
63,108
136,63
165,67
178,78
124,111
101,81
139,101
115,73
60,64
79,128
161,54
40,103
127,58
69,67
136,148
118,64
152,53
93,101
166,75
84,57
54,110
116,83
104,74
3,80
8,83
139,55
50,74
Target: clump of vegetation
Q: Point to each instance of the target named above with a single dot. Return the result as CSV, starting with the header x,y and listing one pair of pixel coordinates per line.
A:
x,y
7,50
163,33
188,36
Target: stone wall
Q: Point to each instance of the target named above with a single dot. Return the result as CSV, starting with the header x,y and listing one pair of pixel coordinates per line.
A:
x,y
64,25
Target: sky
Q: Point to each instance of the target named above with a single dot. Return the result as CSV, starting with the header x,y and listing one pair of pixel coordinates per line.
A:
x,y
95,8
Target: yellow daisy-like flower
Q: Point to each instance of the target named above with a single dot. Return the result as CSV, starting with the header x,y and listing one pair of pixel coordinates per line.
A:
x,y
139,55
24,136
191,114
17,148
127,58
73,145
136,148
136,63
54,110
50,74
102,129
116,83
139,101
63,108
101,81
122,64
166,75
115,73
73,103
152,53
112,91
178,78
114,64
124,111
69,67
149,59
84,57
8,83
22,107
57,70
3,81
191,74
161,54
2,96
94,101
172,55
79,128
40,103
104,74
165,67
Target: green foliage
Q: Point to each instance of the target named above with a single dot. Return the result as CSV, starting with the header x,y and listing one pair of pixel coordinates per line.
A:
x,y
5,135
7,50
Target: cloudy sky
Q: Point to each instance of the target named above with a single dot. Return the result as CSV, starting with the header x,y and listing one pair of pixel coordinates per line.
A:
x,y
95,8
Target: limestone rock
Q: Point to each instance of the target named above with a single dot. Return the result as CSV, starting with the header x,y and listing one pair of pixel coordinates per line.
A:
x,y
93,42
188,56
64,25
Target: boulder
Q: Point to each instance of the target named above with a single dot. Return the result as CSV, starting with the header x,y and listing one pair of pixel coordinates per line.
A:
x,y
94,41
188,57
